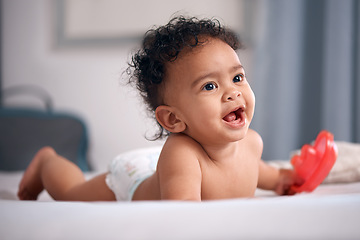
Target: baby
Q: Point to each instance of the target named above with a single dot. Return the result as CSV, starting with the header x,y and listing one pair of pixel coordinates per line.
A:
x,y
193,81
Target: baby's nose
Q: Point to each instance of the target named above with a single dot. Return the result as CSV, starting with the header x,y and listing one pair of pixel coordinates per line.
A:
x,y
232,95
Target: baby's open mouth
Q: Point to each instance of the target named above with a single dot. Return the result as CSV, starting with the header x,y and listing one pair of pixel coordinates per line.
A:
x,y
235,115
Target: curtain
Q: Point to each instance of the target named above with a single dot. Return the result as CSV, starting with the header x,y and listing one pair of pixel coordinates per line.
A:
x,y
306,73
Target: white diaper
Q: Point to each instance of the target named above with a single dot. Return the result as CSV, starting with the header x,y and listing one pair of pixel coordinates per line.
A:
x,y
127,171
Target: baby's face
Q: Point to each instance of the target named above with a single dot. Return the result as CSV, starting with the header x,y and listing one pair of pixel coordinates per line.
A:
x,y
208,90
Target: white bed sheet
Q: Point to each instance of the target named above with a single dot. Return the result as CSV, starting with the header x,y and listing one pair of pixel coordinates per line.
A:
x,y
330,212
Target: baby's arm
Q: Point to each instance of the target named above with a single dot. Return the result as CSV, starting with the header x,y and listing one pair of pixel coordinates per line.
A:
x,y
278,180
271,178
179,170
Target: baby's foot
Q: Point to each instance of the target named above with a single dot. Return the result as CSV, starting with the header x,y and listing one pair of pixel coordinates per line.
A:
x,y
31,184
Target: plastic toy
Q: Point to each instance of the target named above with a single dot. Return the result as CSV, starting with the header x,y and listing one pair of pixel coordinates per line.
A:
x,y
315,162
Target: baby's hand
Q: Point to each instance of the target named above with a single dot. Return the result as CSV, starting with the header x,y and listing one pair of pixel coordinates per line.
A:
x,y
287,178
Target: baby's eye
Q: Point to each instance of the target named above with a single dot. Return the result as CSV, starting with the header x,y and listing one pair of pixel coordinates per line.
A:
x,y
209,87
238,78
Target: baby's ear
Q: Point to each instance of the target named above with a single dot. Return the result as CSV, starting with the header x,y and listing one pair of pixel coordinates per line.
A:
x,y
169,120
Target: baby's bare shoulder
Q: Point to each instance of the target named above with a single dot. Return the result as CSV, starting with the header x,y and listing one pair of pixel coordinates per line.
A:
x,y
254,142
178,169
254,137
179,151
181,143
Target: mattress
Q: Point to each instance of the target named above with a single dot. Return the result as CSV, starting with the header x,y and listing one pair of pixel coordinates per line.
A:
x,y
330,212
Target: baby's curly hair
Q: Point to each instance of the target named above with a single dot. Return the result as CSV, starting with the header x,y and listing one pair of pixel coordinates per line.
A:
x,y
163,45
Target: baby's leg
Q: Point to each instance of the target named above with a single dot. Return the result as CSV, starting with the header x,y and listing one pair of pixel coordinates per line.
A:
x,y
62,179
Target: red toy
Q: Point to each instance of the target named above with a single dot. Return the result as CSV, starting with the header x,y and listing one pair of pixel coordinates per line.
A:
x,y
315,162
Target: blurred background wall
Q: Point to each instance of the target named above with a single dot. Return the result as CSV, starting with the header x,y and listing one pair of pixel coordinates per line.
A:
x,y
56,45
306,71
302,60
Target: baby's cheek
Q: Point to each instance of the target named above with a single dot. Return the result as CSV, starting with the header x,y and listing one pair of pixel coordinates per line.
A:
x,y
252,99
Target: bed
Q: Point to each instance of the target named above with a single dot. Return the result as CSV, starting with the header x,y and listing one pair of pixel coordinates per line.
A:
x,y
332,211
